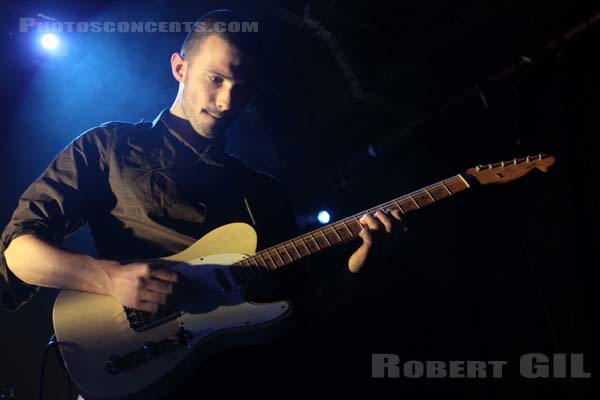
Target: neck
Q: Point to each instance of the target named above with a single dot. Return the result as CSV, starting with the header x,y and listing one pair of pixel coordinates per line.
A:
x,y
339,232
182,122
210,149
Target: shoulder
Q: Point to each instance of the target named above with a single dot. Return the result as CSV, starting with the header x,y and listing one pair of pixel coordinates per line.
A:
x,y
107,134
115,130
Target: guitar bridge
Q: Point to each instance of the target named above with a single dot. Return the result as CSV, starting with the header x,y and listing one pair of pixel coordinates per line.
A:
x,y
141,321
118,363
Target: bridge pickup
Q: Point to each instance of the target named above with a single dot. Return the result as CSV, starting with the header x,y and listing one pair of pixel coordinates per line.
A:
x,y
225,285
119,363
141,321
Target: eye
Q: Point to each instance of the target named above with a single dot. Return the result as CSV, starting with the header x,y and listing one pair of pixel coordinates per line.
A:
x,y
215,78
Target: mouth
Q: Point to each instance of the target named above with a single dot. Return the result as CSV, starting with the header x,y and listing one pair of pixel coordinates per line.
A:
x,y
211,114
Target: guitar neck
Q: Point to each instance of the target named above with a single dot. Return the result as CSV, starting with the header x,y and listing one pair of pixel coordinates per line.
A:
x,y
340,232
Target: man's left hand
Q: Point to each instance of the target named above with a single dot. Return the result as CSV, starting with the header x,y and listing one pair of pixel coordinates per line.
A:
x,y
378,231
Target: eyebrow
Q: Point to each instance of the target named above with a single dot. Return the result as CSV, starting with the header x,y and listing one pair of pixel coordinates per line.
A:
x,y
239,81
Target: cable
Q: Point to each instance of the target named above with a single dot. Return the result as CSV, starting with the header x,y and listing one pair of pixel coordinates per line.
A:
x,y
52,342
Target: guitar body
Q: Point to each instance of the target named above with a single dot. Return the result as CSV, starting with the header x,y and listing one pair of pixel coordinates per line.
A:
x,y
92,328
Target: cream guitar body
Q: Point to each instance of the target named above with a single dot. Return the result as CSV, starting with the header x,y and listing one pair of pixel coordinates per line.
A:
x,y
93,329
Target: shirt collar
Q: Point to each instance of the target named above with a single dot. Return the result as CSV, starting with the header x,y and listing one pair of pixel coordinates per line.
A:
x,y
211,151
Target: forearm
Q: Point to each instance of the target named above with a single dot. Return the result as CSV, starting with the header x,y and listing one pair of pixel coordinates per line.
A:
x,y
37,262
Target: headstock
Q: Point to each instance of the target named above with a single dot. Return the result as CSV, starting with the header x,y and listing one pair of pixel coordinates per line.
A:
x,y
506,171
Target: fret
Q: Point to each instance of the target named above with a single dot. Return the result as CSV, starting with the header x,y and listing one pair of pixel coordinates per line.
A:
x,y
414,200
328,244
329,235
456,184
438,193
355,225
408,206
430,195
336,233
348,229
295,249
272,265
446,187
464,181
310,235
423,198
399,206
261,258
284,247
302,241
275,252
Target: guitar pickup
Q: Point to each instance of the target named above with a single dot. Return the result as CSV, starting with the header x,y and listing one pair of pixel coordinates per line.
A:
x,y
119,363
141,321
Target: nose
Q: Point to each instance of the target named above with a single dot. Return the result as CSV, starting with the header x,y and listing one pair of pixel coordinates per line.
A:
x,y
224,99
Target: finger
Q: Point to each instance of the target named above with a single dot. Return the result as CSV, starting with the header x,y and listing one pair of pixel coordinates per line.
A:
x,y
385,220
153,297
371,222
164,274
366,235
148,307
359,257
159,286
396,214
398,222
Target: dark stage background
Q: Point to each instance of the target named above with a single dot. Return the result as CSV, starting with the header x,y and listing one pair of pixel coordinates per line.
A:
x,y
361,102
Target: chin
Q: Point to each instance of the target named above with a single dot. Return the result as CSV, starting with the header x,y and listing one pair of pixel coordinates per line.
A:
x,y
207,131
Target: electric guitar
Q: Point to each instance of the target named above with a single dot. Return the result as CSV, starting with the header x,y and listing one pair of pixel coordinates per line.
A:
x,y
111,351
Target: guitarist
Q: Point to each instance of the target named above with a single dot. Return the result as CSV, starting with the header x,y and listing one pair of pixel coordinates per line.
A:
x,y
151,189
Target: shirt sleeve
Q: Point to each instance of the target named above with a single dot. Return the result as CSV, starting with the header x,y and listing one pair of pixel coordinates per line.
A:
x,y
54,206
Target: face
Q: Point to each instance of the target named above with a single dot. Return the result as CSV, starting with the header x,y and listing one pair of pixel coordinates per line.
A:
x,y
214,87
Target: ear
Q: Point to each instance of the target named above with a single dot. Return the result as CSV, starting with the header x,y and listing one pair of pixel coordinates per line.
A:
x,y
178,66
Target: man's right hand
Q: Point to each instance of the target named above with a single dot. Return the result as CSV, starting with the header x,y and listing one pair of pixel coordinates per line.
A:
x,y
141,285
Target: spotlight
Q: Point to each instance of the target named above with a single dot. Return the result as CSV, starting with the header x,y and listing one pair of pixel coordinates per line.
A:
x,y
323,217
49,41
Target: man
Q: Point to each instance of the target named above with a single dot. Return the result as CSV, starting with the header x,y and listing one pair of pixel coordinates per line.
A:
x,y
150,190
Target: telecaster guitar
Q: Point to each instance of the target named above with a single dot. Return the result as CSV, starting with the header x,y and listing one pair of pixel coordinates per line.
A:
x,y
114,352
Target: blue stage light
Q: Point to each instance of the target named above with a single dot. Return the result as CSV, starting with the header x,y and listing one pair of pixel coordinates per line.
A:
x,y
323,217
49,41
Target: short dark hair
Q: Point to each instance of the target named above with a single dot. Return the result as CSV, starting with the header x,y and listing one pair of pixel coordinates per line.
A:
x,y
216,23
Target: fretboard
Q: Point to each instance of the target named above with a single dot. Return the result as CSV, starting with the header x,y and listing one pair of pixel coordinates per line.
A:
x,y
339,232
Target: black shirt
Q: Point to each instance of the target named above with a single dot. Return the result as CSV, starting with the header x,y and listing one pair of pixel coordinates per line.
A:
x,y
152,189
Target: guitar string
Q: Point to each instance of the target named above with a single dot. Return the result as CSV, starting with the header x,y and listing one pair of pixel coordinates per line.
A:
x,y
258,270
330,228
392,205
